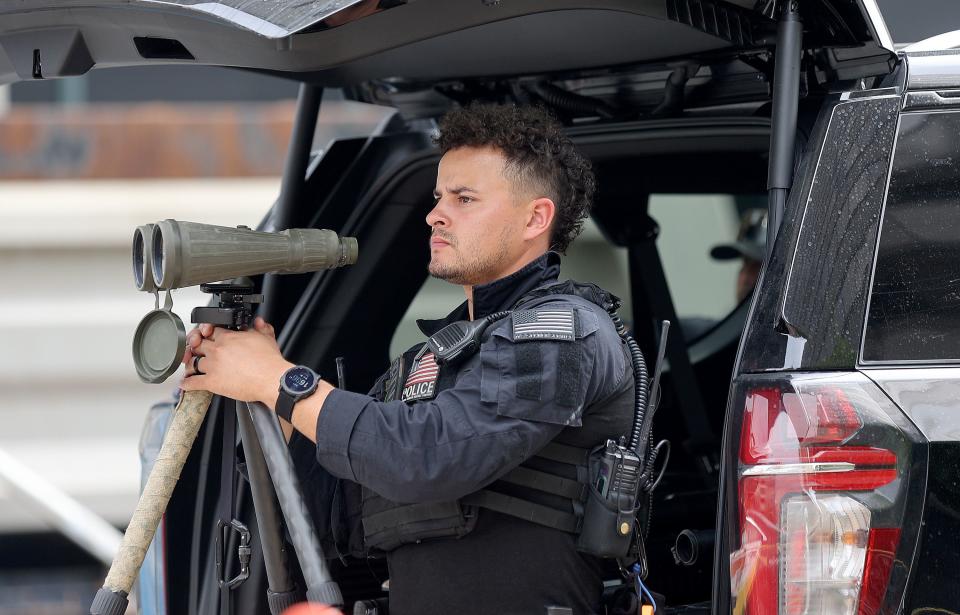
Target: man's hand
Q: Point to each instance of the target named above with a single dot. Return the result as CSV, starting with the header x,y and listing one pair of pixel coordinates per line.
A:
x,y
242,365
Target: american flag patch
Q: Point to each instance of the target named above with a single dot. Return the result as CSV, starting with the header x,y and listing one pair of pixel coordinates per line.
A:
x,y
422,381
555,324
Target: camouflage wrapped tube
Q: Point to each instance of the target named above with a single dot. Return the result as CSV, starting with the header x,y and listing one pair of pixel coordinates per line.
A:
x,y
177,443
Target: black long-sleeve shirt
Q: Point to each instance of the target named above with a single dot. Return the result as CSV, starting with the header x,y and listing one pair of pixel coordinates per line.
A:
x,y
505,403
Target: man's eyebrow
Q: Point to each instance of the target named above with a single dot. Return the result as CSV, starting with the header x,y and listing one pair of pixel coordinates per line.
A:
x,y
456,190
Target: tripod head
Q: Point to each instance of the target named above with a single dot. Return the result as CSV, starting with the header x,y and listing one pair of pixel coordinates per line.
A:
x,y
235,307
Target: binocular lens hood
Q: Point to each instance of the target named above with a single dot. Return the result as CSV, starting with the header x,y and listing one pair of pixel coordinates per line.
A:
x,y
142,264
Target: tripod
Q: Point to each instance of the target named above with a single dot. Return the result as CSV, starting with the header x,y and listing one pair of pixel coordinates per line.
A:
x,y
273,484
268,462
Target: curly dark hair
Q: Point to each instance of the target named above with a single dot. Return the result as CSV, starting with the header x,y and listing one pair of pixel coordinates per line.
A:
x,y
538,156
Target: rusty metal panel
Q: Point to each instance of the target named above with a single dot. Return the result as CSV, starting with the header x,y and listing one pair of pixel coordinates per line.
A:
x,y
151,140
171,140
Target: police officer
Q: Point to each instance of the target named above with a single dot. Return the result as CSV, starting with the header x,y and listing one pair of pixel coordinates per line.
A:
x,y
473,473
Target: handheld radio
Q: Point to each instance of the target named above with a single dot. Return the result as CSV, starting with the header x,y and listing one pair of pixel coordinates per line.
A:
x,y
620,472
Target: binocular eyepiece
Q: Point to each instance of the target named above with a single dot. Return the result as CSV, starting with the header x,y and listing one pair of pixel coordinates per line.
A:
x,y
172,254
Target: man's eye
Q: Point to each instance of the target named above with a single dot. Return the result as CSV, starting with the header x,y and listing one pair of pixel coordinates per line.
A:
x,y
466,200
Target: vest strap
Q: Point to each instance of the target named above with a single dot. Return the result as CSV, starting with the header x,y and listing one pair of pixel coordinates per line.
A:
x,y
404,515
548,483
564,453
522,509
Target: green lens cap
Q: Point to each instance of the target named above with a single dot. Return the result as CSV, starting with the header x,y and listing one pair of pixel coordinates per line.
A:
x,y
158,345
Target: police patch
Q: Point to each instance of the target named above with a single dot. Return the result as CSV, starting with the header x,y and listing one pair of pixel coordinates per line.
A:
x,y
545,324
422,381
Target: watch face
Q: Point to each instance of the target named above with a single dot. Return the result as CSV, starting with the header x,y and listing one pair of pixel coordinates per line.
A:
x,y
298,380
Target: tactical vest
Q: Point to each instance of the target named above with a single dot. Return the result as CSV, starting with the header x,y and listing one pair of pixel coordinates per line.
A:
x,y
548,489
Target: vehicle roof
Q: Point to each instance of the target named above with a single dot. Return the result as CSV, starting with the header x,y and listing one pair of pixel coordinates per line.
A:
x,y
341,42
934,63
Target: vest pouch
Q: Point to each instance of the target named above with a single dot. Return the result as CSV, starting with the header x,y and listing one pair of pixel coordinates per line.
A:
x,y
345,514
388,525
610,510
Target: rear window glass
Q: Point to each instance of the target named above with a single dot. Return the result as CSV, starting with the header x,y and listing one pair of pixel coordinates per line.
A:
x,y
914,312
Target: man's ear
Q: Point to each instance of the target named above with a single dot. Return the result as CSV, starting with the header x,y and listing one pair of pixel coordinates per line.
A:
x,y
541,213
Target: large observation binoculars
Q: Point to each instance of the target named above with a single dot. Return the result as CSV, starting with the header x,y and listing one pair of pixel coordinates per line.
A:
x,y
171,254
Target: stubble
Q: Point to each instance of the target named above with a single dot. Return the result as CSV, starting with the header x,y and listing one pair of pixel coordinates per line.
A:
x,y
472,267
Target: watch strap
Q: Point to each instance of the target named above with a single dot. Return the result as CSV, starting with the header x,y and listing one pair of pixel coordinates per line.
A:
x,y
285,404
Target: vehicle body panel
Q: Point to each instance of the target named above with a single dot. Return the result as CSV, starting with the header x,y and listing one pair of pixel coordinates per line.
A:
x,y
930,396
933,70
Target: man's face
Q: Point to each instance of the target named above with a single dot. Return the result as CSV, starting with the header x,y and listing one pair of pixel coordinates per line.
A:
x,y
478,221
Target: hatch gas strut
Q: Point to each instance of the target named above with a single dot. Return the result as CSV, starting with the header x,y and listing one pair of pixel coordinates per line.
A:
x,y
786,94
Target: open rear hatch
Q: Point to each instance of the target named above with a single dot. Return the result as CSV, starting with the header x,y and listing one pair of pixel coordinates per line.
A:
x,y
347,42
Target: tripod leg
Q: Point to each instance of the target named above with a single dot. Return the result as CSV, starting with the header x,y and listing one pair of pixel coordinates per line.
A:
x,y
281,590
320,585
111,599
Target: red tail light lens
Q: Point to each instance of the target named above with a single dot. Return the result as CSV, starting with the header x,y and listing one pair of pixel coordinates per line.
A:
x,y
781,425
881,551
813,497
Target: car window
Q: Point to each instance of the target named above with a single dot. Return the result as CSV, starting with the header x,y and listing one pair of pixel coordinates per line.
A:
x,y
914,310
702,243
704,288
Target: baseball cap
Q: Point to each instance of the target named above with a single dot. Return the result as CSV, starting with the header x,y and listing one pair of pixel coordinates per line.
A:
x,y
751,238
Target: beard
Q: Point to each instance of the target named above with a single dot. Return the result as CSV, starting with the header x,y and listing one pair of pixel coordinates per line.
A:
x,y
470,267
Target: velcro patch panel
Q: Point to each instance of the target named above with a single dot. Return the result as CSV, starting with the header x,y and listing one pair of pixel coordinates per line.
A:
x,y
422,381
556,324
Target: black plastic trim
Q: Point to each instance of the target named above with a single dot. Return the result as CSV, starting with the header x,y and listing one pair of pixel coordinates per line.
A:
x,y
718,19
157,48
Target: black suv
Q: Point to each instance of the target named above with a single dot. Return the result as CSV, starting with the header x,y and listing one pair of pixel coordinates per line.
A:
x,y
813,425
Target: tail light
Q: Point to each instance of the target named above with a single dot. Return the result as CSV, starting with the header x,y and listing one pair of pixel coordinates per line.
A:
x,y
823,469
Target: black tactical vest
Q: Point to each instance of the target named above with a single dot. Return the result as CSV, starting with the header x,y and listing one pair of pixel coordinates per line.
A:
x,y
548,489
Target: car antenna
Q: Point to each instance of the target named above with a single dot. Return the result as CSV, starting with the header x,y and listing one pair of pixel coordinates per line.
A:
x,y
653,395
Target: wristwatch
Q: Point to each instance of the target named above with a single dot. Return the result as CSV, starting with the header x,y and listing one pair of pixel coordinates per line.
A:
x,y
297,383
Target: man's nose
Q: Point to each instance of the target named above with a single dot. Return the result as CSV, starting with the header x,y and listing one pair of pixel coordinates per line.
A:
x,y
438,216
